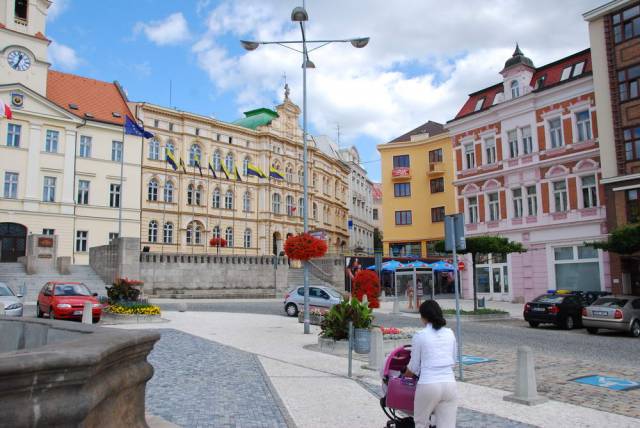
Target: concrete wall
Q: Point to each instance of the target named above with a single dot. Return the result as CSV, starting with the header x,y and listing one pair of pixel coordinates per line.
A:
x,y
329,269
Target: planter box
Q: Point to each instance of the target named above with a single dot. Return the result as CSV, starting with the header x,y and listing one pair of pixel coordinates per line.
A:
x,y
109,318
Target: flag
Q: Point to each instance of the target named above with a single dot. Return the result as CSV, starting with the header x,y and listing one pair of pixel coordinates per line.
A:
x,y
225,171
255,171
212,169
170,158
132,128
5,110
274,173
238,174
182,165
196,163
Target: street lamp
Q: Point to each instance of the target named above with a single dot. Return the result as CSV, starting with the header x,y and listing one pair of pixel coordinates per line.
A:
x,y
300,15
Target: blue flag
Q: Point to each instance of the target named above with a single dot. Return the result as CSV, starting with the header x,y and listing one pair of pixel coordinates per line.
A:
x,y
132,128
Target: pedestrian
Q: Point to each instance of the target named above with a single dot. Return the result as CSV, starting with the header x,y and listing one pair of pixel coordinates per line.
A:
x,y
409,293
433,354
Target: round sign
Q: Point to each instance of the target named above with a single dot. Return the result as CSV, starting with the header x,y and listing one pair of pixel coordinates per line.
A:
x,y
460,265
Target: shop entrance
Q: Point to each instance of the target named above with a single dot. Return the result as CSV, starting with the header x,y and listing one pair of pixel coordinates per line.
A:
x,y
13,241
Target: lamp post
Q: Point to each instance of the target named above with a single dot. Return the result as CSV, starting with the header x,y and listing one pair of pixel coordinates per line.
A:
x,y
300,15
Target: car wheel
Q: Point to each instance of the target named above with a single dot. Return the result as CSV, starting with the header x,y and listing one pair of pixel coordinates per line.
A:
x,y
534,324
291,309
38,311
592,330
635,329
568,323
52,315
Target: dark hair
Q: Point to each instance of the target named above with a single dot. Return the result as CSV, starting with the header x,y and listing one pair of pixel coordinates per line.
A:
x,y
430,311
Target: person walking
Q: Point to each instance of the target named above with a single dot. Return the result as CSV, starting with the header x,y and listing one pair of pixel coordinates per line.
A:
x,y
433,355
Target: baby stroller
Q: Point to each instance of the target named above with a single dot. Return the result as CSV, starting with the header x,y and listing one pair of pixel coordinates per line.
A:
x,y
398,391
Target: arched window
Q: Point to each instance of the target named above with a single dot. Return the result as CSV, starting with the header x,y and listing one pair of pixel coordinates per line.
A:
x,y
216,231
291,207
228,235
153,231
247,238
300,176
289,173
168,192
515,89
190,196
216,160
154,149
246,201
301,207
228,200
194,233
245,165
275,203
153,190
228,162
216,198
168,233
194,152
198,195
315,211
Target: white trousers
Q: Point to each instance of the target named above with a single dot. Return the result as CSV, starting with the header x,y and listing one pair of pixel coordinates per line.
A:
x,y
440,398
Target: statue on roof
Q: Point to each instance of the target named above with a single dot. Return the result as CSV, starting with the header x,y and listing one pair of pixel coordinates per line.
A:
x,y
286,91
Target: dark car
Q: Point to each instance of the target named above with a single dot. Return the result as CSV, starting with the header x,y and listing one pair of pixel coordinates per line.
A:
x,y
562,309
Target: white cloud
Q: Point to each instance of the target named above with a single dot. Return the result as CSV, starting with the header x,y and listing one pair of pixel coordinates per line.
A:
x,y
169,31
63,57
56,9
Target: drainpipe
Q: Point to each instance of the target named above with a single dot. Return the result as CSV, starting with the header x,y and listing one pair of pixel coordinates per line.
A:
x,y
75,203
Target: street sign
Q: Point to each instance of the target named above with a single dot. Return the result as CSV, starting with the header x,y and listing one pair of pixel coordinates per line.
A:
x,y
609,382
454,232
460,265
469,360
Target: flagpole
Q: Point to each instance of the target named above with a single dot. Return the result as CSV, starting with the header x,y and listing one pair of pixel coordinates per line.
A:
x,y
270,209
206,233
193,210
121,180
233,216
164,198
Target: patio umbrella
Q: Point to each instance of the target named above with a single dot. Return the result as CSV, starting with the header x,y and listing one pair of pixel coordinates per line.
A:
x,y
389,266
442,266
417,264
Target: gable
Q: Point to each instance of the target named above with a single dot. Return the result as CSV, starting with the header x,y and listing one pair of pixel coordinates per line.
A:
x,y
34,104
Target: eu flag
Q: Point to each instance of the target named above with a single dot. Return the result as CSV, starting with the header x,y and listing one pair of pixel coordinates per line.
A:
x,y
132,128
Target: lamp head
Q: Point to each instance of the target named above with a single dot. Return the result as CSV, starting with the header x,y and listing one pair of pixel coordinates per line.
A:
x,y
360,42
308,64
250,46
299,14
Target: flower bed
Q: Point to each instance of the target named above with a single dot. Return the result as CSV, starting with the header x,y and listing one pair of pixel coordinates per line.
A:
x,y
393,333
130,313
133,309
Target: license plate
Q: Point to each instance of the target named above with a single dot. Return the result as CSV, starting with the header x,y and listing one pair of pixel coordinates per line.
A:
x,y
538,309
77,312
600,313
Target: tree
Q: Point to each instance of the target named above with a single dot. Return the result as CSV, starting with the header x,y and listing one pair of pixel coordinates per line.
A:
x,y
377,239
624,240
484,245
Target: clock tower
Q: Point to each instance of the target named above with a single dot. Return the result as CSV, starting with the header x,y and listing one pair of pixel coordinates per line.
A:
x,y
23,45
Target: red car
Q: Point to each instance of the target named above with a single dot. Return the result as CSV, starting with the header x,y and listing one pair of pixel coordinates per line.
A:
x,y
65,300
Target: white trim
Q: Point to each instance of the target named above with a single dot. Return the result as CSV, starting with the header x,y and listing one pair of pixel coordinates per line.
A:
x,y
631,187
620,178
605,9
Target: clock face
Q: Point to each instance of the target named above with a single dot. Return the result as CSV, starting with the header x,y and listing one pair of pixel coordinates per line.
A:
x,y
19,60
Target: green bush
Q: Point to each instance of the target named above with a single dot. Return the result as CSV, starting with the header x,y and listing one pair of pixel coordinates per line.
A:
x,y
124,290
336,322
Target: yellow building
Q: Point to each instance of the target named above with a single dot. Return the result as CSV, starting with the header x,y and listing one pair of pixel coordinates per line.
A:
x,y
417,171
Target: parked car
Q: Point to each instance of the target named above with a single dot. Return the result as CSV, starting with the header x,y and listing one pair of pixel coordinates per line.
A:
x,y
320,296
65,300
11,301
564,309
620,313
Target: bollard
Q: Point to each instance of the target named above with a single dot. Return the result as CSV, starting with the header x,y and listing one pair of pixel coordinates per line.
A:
x,y
396,306
526,391
87,313
376,354
182,307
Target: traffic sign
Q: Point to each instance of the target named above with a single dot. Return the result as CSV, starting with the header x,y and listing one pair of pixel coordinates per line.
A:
x,y
460,265
613,383
468,360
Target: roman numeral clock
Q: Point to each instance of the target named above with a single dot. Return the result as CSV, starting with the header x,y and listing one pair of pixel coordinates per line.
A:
x,y
19,60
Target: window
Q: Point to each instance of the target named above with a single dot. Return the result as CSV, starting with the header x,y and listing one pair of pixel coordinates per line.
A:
x,y
583,123
216,160
83,192
555,131
247,238
494,207
315,180
289,174
228,235
437,214
85,146
153,231
628,81
114,195
479,104
13,135
291,207
401,161
116,151
577,268
216,232
403,217
490,150
578,68
275,203
152,191
170,126
470,156
437,185
245,165
435,156
167,237
315,211
81,241
301,207
300,176
216,198
632,143
20,9
168,192
51,141
560,195
228,162
401,189
11,185
375,214
512,138
198,195
540,81
406,249
113,236
48,232
589,192
626,25
228,200
156,123
532,201
515,89
194,153
154,149
472,209
566,73
246,202
194,234
527,142
517,202
633,205
49,189
190,190
197,131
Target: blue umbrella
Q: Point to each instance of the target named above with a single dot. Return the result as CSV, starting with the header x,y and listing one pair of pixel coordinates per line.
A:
x,y
417,264
442,266
389,266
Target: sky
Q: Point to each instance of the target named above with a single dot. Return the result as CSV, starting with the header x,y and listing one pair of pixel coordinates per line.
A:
x,y
424,57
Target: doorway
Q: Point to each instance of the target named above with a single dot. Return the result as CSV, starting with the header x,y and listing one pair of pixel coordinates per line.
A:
x,y
277,243
13,241
492,273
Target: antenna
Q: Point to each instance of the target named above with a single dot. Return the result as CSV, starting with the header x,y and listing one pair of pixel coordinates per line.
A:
x,y
338,134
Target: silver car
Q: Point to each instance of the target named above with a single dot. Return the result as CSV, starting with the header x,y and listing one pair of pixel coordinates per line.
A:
x,y
620,313
319,296
11,302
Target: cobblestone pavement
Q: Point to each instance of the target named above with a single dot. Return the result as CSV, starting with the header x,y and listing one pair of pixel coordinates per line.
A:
x,y
199,383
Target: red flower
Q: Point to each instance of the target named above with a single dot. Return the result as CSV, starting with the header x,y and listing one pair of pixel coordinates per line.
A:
x,y
367,282
304,247
218,242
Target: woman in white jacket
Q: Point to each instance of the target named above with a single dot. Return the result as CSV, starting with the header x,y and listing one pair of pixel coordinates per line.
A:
x,y
433,355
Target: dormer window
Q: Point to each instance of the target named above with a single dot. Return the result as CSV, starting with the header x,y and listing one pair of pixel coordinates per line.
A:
x,y
578,69
565,73
20,11
479,104
540,81
515,89
573,70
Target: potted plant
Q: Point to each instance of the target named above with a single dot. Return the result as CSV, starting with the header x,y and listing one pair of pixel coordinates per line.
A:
x,y
304,247
336,323
362,318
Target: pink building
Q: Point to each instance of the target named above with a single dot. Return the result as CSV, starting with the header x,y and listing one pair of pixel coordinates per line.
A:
x,y
528,168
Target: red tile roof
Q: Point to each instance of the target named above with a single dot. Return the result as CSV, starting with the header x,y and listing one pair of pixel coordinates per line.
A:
x,y
94,97
430,127
551,72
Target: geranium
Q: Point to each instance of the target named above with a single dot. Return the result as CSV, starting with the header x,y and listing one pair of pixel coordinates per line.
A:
x,y
304,247
218,242
390,330
366,282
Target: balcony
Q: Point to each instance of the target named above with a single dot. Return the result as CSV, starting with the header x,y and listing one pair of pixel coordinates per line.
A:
x,y
435,169
400,173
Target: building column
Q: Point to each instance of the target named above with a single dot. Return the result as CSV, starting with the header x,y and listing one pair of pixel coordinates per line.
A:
x,y
33,162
